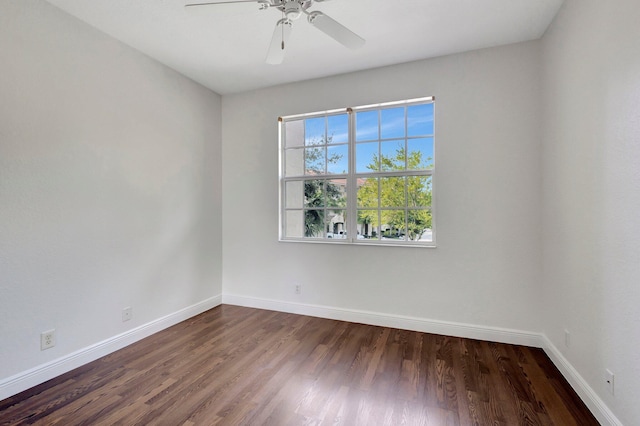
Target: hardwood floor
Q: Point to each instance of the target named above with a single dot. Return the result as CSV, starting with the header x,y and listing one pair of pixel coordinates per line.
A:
x,y
242,366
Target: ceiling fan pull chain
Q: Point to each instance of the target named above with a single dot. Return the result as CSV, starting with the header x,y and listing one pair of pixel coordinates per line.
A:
x,y
282,44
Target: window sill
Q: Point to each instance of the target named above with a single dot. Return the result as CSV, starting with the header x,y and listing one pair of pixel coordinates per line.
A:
x,y
361,243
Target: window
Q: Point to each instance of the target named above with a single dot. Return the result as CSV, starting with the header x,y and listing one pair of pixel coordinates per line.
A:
x,y
359,175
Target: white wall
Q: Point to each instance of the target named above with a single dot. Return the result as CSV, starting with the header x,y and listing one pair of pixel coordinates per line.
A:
x,y
486,268
111,192
591,195
109,187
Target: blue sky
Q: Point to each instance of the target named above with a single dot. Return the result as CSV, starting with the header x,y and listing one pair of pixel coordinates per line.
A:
x,y
371,127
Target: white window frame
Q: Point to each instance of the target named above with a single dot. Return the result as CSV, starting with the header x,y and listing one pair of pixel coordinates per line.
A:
x,y
352,177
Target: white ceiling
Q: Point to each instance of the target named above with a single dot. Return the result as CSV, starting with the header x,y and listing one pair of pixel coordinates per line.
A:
x,y
224,46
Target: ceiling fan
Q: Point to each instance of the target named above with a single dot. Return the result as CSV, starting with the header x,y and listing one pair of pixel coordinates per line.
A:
x,y
292,10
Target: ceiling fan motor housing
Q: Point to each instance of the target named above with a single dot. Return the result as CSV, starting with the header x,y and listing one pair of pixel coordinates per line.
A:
x,y
293,8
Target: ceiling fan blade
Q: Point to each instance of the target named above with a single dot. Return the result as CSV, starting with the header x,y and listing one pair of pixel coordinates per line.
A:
x,y
279,41
219,2
336,30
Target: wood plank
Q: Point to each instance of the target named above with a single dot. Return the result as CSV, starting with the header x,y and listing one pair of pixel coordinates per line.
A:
x,y
233,365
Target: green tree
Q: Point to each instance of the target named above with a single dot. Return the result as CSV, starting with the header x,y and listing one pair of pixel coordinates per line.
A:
x,y
319,193
393,193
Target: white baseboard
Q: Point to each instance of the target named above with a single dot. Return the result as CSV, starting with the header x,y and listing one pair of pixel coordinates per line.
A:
x,y
40,374
597,406
470,331
494,334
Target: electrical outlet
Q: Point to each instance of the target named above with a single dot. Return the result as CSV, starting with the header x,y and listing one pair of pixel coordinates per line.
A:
x,y
127,313
47,339
298,289
567,338
610,379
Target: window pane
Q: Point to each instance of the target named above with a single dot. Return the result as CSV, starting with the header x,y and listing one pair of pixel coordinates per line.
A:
x,y
366,125
314,161
420,153
336,224
367,157
393,224
294,133
338,128
336,193
338,159
392,123
420,120
294,160
392,155
368,224
419,225
419,191
314,223
293,195
314,131
294,223
368,192
392,192
314,193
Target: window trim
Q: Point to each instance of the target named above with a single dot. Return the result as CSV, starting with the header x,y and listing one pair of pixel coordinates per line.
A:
x,y
352,177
